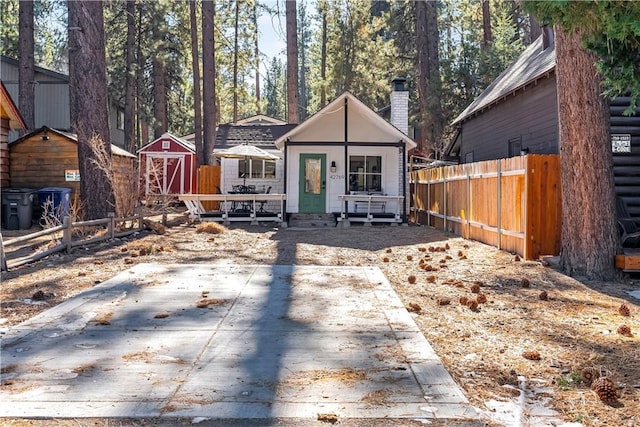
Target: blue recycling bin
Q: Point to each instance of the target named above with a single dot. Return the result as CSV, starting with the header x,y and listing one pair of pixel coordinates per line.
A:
x,y
17,208
55,200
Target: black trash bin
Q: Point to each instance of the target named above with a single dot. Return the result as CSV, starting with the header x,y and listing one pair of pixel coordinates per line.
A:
x,y
55,201
17,208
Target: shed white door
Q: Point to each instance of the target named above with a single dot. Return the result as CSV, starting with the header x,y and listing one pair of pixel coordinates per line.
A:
x,y
165,174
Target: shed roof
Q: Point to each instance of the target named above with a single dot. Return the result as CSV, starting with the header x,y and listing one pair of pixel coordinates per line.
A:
x,y
355,104
189,145
72,137
533,64
9,110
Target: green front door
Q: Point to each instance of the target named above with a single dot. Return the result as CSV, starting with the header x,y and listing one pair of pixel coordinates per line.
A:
x,y
312,183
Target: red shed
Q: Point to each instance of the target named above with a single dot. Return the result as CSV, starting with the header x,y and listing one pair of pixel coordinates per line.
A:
x,y
167,166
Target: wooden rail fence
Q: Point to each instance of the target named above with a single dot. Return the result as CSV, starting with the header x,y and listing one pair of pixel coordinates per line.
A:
x,y
513,204
65,237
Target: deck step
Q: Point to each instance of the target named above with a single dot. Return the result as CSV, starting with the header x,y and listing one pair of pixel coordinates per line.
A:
x,y
311,220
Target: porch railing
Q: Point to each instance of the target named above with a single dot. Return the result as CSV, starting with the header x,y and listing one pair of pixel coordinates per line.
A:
x,y
236,207
370,208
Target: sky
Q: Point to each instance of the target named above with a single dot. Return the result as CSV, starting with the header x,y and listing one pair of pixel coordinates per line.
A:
x,y
272,33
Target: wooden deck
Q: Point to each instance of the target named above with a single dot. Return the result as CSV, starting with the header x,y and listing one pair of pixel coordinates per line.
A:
x,y
236,207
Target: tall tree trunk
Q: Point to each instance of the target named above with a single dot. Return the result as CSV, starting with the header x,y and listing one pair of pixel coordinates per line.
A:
x,y
292,62
256,51
88,104
208,80
142,130
130,79
197,99
323,59
487,37
235,63
429,87
26,76
159,81
435,85
302,40
589,238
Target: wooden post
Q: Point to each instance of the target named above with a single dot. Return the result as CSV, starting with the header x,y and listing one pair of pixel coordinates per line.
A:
x,y
66,233
3,260
499,201
112,225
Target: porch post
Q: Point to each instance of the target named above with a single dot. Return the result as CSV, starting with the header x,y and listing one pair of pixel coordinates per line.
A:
x,y
283,203
346,158
403,146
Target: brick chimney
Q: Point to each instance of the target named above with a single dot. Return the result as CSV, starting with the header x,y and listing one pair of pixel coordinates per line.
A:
x,y
400,104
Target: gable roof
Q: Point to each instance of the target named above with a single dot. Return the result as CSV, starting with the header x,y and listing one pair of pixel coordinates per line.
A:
x,y
533,64
72,137
260,119
9,110
354,103
186,144
262,136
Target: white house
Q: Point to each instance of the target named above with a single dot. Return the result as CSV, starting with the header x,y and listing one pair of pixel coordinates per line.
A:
x,y
346,157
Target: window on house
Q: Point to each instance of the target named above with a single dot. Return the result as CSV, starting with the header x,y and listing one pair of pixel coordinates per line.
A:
x,y
365,173
515,145
120,119
166,145
257,169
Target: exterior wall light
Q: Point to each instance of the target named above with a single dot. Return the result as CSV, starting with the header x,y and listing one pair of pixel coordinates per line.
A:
x,y
333,166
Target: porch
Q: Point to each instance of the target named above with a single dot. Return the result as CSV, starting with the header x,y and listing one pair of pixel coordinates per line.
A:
x,y
236,207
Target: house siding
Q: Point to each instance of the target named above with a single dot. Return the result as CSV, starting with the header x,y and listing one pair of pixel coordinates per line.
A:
x,y
52,107
530,114
626,166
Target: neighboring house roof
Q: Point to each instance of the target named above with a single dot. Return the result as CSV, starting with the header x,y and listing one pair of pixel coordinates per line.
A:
x,y
263,135
260,119
9,110
71,136
37,69
353,104
533,64
186,144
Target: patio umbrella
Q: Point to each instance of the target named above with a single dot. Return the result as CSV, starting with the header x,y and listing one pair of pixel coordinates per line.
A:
x,y
246,151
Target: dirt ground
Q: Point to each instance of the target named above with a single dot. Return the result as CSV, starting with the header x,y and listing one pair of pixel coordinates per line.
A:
x,y
526,347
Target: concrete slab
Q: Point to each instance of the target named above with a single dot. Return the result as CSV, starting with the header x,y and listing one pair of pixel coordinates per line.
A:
x,y
228,341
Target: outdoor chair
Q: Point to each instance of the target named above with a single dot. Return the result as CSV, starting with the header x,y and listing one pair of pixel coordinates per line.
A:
x,y
629,231
263,202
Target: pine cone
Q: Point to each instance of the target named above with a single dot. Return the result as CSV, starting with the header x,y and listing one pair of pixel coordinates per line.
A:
x,y
414,308
605,388
624,310
543,296
431,279
525,283
481,298
475,288
411,279
444,301
531,355
463,300
624,330
473,305
589,375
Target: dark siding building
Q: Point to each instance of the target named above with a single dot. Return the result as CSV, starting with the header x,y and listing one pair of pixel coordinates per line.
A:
x,y
519,111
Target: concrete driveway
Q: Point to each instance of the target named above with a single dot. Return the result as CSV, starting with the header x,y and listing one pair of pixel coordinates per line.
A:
x,y
229,342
